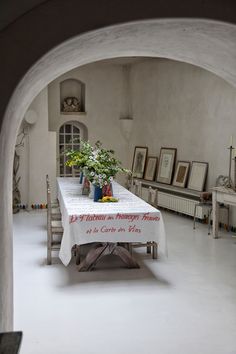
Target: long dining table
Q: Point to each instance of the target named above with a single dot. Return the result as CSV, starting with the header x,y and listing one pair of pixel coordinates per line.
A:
x,y
130,220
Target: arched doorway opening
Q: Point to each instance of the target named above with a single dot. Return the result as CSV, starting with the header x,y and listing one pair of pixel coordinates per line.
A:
x,y
207,44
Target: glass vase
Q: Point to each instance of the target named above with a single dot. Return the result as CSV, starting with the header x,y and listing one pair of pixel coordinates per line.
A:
x,y
107,190
81,177
86,186
91,191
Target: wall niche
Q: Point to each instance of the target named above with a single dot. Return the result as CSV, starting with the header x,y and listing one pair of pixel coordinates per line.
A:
x,y
72,97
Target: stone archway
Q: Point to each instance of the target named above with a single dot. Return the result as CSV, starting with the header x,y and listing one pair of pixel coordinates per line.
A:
x,y
207,44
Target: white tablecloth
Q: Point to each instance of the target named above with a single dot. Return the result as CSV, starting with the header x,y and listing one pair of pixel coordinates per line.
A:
x,y
131,219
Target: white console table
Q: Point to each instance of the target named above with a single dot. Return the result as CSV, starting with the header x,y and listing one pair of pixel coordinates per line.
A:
x,y
179,199
220,195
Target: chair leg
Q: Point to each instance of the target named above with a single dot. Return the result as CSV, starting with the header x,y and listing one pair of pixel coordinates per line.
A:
x,y
49,256
154,250
194,216
209,221
228,219
149,247
49,246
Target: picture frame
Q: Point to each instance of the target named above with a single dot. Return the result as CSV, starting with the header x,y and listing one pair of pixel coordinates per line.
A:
x,y
139,161
166,165
181,174
150,168
198,174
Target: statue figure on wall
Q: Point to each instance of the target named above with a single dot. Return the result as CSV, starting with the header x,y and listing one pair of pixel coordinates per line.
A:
x,y
16,196
71,104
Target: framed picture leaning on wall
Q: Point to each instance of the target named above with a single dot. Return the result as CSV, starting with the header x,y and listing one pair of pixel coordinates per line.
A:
x,y
166,165
181,174
198,174
150,168
139,161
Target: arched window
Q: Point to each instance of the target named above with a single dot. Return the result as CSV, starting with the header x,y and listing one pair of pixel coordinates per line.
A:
x,y
69,138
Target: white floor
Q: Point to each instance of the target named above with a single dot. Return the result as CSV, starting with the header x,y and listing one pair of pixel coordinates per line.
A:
x,y
184,304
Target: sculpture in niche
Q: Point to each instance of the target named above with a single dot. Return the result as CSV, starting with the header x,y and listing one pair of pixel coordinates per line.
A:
x,y
71,104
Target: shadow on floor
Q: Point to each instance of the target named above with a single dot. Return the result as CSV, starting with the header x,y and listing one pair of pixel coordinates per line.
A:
x,y
109,270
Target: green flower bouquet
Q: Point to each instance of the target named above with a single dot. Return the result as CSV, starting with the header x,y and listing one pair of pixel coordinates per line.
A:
x,y
80,157
99,165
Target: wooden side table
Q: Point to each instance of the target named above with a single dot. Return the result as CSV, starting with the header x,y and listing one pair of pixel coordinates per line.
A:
x,y
220,195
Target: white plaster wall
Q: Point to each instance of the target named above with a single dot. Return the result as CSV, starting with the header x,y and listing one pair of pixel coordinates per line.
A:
x,y
183,106
186,107
38,156
104,105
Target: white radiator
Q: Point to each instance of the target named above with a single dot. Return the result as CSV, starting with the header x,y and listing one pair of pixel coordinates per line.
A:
x,y
177,203
180,204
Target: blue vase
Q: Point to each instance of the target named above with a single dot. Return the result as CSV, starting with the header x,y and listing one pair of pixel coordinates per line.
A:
x,y
97,193
81,177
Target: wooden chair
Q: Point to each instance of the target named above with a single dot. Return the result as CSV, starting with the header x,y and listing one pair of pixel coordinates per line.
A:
x,y
54,203
54,231
152,200
206,202
54,206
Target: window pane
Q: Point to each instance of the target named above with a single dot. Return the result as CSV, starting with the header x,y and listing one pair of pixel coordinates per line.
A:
x,y
68,128
68,147
68,170
76,139
68,139
76,130
61,149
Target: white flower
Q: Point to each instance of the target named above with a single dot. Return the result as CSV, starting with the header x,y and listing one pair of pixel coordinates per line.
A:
x,y
111,179
92,174
100,176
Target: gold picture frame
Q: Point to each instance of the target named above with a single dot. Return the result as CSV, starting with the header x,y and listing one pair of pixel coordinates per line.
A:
x,y
181,174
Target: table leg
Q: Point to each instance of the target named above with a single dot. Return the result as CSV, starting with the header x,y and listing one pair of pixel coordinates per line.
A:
x,y
215,215
95,254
